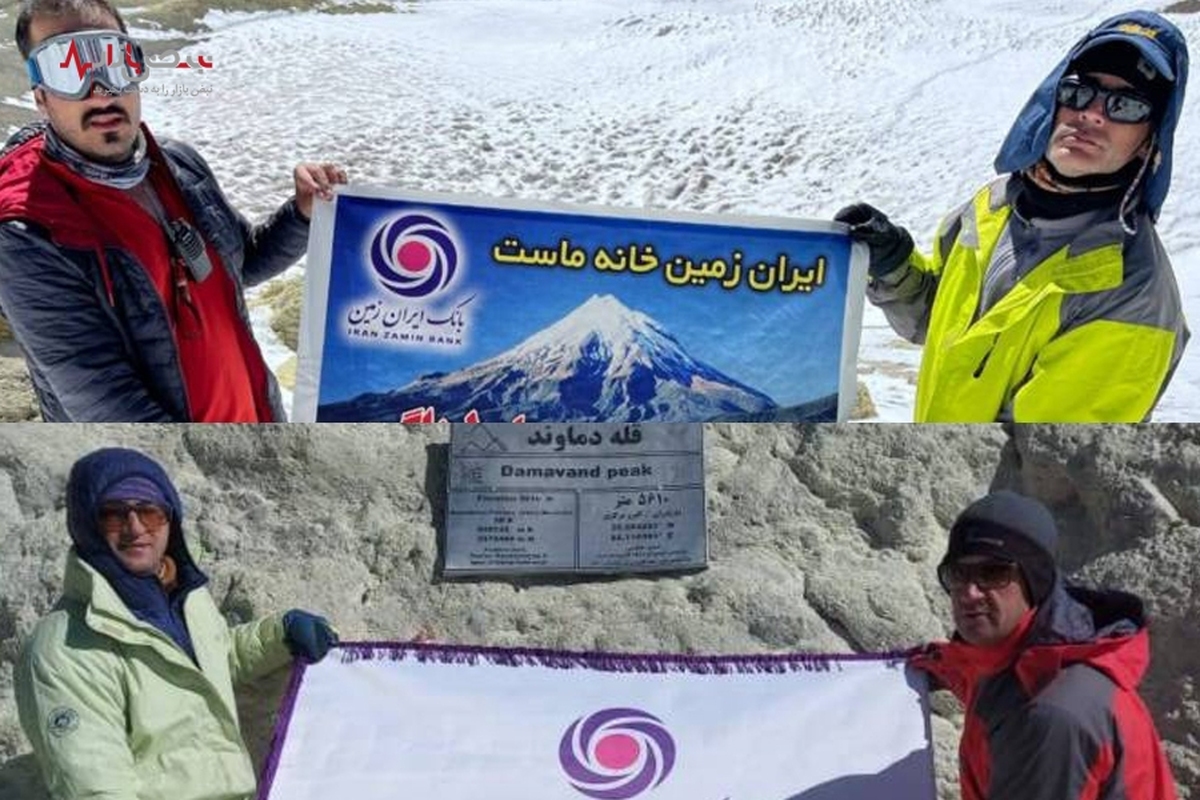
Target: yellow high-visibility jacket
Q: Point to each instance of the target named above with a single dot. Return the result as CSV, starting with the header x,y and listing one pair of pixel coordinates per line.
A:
x,y
1090,330
116,710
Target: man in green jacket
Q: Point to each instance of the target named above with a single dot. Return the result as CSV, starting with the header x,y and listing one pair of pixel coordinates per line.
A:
x,y
1048,296
125,689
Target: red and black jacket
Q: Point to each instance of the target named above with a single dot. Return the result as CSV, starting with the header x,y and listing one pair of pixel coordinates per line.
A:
x,y
1060,718
97,337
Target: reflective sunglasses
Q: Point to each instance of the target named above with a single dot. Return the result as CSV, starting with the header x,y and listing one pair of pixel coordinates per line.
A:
x,y
986,575
115,516
69,64
1120,105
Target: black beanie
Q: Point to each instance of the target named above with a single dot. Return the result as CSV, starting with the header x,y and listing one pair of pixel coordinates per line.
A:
x,y
1124,60
1011,527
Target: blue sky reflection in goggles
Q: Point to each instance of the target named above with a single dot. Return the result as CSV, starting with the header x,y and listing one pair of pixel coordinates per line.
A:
x,y
69,64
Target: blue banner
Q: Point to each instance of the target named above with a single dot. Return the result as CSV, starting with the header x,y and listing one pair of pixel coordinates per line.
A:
x,y
423,307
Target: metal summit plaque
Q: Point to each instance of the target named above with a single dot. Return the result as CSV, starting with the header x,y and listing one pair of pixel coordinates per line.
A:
x,y
575,498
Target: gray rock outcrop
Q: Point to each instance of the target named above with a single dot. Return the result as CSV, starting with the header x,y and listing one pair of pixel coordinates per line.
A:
x,y
822,539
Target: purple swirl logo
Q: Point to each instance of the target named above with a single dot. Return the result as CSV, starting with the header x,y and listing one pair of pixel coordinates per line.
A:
x,y
414,256
616,753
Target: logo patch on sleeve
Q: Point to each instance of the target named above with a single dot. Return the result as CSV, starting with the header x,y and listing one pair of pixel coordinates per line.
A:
x,y
62,720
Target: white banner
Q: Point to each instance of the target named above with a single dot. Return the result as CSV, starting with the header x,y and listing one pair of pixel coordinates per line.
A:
x,y
382,722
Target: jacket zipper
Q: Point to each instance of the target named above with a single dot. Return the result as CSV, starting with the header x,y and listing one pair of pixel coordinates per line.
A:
x,y
983,364
187,316
106,277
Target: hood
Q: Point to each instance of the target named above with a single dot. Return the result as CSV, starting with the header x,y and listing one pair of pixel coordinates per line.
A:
x,y
1105,629
90,478
1163,45
22,135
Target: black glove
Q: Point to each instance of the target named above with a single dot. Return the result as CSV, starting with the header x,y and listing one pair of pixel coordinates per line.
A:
x,y
890,245
307,635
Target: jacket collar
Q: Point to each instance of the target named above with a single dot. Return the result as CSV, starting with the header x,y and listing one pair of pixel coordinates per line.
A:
x,y
1103,629
106,613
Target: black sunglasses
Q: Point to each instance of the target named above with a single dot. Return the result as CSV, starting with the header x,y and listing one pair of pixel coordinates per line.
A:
x,y
1120,105
987,575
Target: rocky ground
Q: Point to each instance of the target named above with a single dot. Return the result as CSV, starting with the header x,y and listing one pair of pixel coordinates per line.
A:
x,y
822,539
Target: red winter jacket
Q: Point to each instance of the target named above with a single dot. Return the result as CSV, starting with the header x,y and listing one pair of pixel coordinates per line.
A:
x,y
84,286
1061,719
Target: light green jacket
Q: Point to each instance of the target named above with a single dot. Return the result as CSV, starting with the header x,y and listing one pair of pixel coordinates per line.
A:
x,y
116,710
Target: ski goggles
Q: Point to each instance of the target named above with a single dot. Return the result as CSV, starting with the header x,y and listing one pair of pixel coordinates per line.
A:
x,y
69,64
1120,105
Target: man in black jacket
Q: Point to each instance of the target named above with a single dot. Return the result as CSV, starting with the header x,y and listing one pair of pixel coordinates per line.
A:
x,y
122,265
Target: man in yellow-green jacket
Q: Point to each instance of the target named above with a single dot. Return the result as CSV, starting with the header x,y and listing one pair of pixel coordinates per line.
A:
x,y
125,689
1048,296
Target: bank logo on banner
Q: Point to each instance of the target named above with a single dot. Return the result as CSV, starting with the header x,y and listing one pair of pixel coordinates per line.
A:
x,y
414,255
616,753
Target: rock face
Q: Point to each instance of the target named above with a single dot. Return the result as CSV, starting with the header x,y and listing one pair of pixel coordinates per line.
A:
x,y
17,401
822,538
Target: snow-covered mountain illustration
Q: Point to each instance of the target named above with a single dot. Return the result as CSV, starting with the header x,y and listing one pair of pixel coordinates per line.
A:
x,y
603,361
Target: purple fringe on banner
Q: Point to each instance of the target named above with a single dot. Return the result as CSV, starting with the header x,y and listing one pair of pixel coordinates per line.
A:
x,y
281,726
604,662
556,659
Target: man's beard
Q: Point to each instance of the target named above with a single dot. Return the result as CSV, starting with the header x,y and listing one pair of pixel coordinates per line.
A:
x,y
114,137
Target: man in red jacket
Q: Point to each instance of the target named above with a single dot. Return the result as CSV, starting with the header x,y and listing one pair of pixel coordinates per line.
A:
x,y
1048,672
